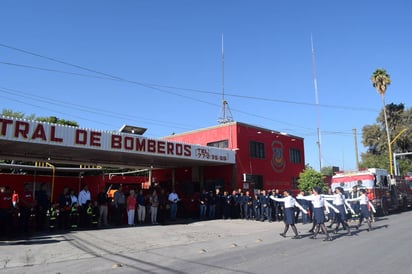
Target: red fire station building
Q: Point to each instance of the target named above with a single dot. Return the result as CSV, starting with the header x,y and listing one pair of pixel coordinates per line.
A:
x,y
230,156
264,158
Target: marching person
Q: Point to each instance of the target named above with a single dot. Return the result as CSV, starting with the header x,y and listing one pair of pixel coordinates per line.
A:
x,y
305,205
338,201
289,212
318,213
354,194
364,210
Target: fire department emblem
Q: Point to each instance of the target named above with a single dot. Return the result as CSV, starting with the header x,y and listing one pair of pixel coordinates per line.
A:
x,y
278,161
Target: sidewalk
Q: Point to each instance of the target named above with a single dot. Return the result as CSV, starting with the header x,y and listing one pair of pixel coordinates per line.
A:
x,y
86,244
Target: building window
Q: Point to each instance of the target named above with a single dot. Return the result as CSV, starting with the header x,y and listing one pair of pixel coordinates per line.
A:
x,y
257,150
294,182
219,144
256,180
295,156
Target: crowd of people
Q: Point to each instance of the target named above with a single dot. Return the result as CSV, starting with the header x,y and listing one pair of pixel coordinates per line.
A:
x,y
26,213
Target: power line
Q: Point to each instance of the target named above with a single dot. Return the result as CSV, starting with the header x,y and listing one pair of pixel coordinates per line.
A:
x,y
155,86
161,88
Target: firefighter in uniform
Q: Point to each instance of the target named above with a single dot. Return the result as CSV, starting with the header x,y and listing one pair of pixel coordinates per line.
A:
x,y
27,213
74,216
92,214
52,215
65,209
6,208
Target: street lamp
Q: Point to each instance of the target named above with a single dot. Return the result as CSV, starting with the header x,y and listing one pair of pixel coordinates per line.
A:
x,y
395,154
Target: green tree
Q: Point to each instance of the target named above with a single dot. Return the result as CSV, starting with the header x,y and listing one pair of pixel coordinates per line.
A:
x,y
51,119
310,178
327,170
11,113
374,138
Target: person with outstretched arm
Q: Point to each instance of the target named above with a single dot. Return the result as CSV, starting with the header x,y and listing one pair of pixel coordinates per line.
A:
x,y
289,210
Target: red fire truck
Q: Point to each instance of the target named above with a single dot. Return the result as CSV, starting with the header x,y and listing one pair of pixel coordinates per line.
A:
x,y
386,193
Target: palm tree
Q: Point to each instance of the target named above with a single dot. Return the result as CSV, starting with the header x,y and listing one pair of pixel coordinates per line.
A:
x,y
380,80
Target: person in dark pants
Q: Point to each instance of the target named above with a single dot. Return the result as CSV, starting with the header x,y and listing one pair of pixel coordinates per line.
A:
x,y
234,205
119,201
364,210
338,201
353,195
318,213
43,204
305,205
162,206
219,203
256,207
278,206
227,199
264,206
65,203
248,206
27,209
242,205
211,205
6,208
203,202
289,212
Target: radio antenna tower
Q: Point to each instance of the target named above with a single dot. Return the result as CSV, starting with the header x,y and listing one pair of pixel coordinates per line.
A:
x,y
315,82
226,115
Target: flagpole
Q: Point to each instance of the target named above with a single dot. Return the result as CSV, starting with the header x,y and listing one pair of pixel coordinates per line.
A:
x,y
315,82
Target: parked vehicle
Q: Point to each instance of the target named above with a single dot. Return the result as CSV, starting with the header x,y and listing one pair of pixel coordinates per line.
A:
x,y
386,193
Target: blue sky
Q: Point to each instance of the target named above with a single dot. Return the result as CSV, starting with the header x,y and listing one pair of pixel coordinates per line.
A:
x,y
158,65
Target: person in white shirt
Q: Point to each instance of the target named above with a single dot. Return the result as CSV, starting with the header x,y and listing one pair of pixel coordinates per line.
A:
x,y
84,196
289,212
338,201
73,197
364,210
318,213
173,199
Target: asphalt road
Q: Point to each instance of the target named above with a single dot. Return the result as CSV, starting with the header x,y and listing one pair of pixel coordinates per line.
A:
x,y
218,246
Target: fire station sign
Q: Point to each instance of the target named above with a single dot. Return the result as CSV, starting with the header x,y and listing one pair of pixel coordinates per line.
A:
x,y
13,129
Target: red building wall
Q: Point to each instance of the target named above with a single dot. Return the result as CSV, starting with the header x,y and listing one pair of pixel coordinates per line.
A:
x,y
276,168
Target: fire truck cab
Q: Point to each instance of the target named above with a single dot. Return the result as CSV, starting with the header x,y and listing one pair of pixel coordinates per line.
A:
x,y
386,193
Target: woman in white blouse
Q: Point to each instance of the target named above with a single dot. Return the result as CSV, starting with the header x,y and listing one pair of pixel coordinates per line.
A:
x,y
289,212
318,212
